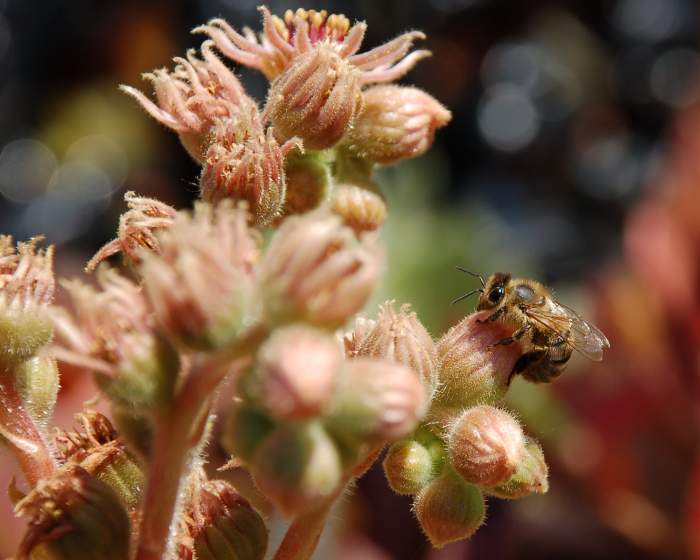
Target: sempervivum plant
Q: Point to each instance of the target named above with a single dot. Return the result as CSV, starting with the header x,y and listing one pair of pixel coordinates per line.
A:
x,y
207,296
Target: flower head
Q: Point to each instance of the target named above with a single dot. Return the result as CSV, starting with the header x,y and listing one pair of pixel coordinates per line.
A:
x,y
201,284
137,227
246,167
112,333
283,40
315,270
395,123
26,288
193,95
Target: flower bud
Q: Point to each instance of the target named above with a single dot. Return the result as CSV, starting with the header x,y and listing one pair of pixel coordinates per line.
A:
x,y
296,466
136,230
362,209
308,182
395,123
486,445
201,285
246,428
449,509
315,98
530,476
72,514
316,271
136,427
219,524
297,370
38,383
376,400
249,168
112,334
408,467
471,369
26,288
98,449
353,340
399,336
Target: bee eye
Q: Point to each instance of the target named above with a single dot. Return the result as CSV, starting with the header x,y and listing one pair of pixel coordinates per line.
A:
x,y
496,294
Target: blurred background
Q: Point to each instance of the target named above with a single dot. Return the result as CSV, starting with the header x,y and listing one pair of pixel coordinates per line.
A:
x,y
573,157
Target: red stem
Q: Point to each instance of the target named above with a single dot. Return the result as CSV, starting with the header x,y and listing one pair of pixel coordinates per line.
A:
x,y
21,433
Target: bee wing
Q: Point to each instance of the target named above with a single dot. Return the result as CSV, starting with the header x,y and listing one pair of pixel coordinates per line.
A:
x,y
564,321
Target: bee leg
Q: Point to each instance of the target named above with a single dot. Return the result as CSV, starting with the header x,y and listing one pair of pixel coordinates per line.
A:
x,y
517,335
492,317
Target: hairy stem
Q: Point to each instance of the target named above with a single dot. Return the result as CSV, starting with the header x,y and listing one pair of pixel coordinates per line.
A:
x,y
176,434
22,434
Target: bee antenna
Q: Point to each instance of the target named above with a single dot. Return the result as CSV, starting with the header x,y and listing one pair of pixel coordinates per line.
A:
x,y
465,296
474,274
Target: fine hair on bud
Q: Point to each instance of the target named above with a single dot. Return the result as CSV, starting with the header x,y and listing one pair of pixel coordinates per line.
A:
x,y
408,467
361,208
529,478
486,445
449,509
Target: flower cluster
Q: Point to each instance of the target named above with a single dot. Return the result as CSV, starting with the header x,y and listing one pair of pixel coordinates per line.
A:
x,y
207,295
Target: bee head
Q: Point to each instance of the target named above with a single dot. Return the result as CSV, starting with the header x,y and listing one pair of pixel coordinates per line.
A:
x,y
494,291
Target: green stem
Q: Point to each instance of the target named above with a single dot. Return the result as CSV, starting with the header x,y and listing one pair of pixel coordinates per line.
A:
x,y
22,434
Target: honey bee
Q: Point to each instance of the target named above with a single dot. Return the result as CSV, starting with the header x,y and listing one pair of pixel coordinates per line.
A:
x,y
548,330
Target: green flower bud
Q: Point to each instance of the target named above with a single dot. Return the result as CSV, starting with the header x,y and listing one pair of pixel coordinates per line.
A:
x,y
73,515
219,524
246,428
449,509
37,380
136,428
308,182
408,467
23,334
530,476
296,466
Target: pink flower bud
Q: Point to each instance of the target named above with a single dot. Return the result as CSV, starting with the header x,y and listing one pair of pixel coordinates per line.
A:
x,y
137,227
296,466
26,288
471,369
315,270
248,167
297,369
362,209
529,477
395,123
449,509
376,400
314,99
486,445
201,285
284,41
399,336
193,96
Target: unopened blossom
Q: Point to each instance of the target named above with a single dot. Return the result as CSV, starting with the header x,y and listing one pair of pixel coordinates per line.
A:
x,y
486,445
529,477
246,167
190,98
284,40
26,288
217,522
449,509
315,270
296,466
361,208
71,513
408,467
376,400
395,123
201,285
136,232
399,336
308,181
111,332
297,370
